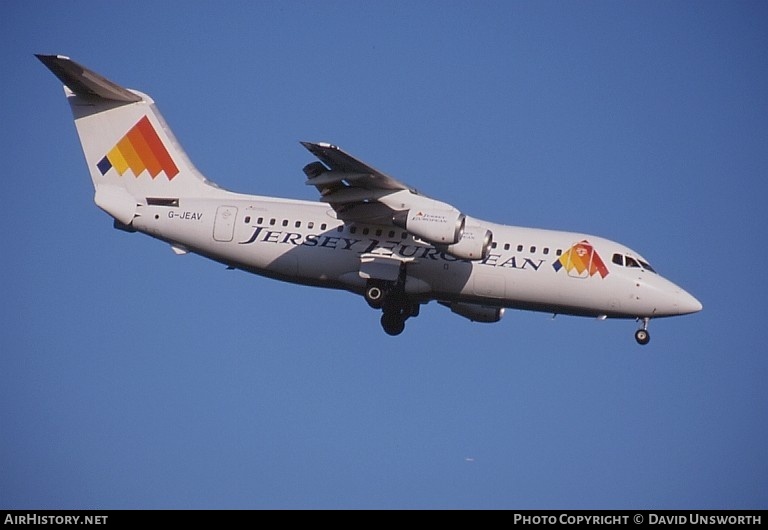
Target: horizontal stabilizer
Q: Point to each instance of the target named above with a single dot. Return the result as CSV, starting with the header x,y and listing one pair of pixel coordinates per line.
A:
x,y
84,82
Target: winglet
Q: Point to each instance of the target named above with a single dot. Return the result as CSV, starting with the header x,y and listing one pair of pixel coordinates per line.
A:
x,y
84,82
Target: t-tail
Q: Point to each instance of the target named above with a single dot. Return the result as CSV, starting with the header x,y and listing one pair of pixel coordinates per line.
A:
x,y
131,153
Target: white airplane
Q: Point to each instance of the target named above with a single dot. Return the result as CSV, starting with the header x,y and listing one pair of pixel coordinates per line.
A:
x,y
369,233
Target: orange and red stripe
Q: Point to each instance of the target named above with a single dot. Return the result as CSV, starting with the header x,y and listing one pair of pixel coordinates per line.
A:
x,y
139,150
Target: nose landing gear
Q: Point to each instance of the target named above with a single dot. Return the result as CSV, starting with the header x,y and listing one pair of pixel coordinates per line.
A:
x,y
641,335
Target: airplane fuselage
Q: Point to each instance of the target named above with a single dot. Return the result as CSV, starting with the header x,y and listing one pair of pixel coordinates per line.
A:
x,y
304,242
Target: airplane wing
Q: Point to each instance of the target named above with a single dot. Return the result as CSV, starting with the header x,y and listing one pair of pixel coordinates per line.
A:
x,y
357,191
346,171
362,194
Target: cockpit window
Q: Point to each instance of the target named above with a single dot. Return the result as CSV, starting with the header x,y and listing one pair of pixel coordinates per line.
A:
x,y
646,266
633,263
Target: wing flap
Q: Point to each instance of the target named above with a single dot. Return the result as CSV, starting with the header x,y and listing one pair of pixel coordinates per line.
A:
x,y
336,178
349,195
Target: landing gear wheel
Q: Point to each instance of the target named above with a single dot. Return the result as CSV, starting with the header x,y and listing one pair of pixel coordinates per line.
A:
x,y
392,323
374,295
641,335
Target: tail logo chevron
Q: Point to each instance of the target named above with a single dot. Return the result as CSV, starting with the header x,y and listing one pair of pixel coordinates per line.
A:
x,y
140,149
581,260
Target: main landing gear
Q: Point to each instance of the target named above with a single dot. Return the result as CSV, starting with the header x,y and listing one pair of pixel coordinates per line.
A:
x,y
641,335
395,306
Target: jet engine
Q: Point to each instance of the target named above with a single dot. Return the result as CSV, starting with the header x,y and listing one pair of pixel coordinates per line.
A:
x,y
475,244
439,227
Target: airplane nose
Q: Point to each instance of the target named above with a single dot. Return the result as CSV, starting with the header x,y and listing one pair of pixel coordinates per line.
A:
x,y
687,303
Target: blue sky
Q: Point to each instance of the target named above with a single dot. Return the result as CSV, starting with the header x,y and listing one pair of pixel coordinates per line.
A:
x,y
133,378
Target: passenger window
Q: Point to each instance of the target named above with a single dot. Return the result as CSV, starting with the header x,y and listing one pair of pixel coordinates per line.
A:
x,y
403,235
378,232
494,244
298,224
618,259
259,220
506,246
391,233
340,228
247,219
533,250
559,252
310,225
546,250
285,222
272,221
323,226
352,229
519,248
365,231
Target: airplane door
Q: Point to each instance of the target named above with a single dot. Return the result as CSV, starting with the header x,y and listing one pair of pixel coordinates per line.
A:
x,y
224,224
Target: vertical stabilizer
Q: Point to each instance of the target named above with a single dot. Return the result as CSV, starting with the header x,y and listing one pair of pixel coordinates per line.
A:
x,y
130,150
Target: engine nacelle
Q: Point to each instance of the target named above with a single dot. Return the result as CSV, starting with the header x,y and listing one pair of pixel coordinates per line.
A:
x,y
475,244
439,227
476,312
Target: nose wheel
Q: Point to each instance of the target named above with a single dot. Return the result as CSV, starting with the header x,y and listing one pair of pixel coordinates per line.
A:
x,y
641,335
